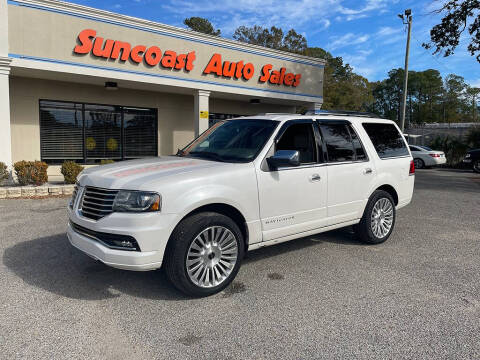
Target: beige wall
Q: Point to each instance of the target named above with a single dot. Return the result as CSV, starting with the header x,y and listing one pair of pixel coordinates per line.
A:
x,y
49,35
175,112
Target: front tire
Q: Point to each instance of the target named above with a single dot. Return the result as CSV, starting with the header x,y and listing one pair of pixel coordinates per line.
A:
x,y
419,163
476,166
378,219
204,254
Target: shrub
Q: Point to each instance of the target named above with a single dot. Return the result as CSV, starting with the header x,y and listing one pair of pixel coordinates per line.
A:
x,y
473,137
453,147
70,171
4,175
31,172
106,161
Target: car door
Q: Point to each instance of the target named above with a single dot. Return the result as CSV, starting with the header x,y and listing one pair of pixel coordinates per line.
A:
x,y
351,173
294,199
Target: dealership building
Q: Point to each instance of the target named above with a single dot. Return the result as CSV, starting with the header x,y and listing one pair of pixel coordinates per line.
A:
x,y
82,84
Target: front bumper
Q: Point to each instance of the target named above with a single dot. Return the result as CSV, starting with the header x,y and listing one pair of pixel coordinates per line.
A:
x,y
120,259
150,230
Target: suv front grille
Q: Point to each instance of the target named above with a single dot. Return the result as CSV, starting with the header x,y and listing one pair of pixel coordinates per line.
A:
x,y
97,202
74,196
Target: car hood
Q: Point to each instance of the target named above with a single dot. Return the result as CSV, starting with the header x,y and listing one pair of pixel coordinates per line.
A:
x,y
137,174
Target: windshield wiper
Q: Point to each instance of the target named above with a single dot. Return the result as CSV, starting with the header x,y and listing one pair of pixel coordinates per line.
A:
x,y
208,155
180,152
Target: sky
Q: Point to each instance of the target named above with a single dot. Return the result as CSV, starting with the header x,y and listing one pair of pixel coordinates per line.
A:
x,y
367,34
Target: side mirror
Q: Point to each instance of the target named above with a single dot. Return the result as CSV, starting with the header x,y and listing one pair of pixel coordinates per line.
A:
x,y
284,158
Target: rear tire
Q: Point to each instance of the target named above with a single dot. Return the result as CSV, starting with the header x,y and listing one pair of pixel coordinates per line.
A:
x,y
419,163
476,166
378,219
204,254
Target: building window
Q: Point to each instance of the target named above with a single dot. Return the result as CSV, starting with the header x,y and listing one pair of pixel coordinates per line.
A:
x,y
214,118
88,133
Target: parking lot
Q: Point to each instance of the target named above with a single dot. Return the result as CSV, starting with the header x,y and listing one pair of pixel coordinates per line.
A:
x,y
327,296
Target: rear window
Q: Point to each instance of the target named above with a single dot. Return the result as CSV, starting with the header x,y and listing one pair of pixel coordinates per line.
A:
x,y
387,140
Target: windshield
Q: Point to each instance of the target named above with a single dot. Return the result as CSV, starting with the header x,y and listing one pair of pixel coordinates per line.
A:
x,y
231,141
426,148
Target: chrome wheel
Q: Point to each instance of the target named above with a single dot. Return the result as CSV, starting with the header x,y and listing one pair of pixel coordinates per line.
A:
x,y
476,166
212,256
418,163
382,217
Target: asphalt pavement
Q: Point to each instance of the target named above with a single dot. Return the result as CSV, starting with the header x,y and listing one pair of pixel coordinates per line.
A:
x,y
325,296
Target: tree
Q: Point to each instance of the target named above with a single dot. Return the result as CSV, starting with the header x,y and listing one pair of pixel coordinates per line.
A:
x,y
473,94
273,38
343,89
201,25
460,15
454,101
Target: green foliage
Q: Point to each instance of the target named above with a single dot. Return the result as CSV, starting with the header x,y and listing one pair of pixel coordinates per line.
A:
x,y
106,161
445,37
473,137
70,171
4,174
273,38
453,147
201,25
31,172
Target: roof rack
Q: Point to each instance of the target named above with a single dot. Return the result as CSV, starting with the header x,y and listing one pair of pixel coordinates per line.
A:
x,y
274,113
341,113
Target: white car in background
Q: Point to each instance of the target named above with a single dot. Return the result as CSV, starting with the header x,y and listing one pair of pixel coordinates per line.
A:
x,y
423,156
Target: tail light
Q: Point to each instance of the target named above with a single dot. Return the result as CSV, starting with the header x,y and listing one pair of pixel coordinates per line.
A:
x,y
434,155
412,168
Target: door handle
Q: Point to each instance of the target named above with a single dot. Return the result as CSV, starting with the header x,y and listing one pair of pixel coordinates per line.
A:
x,y
367,171
315,177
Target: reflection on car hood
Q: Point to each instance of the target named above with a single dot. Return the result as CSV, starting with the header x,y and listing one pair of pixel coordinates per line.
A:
x,y
135,173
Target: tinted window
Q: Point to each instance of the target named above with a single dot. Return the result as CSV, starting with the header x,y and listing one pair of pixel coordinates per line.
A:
x,y
338,142
299,137
234,140
88,133
387,140
357,145
413,148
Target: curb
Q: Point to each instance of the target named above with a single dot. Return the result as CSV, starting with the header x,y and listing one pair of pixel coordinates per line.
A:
x,y
35,191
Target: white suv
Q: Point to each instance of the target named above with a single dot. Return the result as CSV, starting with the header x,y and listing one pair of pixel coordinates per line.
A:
x,y
243,184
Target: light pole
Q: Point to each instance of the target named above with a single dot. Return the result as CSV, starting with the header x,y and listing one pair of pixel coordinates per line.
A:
x,y
407,20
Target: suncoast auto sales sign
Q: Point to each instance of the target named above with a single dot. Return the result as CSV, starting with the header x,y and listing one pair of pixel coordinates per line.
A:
x,y
90,43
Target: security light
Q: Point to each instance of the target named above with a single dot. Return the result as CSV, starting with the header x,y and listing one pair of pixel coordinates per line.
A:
x,y
111,85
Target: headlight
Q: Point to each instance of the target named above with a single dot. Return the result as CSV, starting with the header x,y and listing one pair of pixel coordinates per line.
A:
x,y
467,156
137,201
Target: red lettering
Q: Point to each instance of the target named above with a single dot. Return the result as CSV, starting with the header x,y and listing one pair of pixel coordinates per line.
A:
x,y
274,79
282,75
266,73
297,80
105,51
248,71
137,52
238,72
85,38
169,58
124,47
229,69
289,79
153,55
214,65
190,59
180,61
